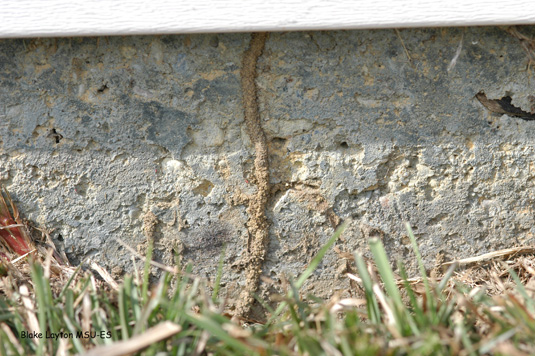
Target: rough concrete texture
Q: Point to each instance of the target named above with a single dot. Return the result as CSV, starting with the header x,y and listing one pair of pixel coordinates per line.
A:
x,y
136,137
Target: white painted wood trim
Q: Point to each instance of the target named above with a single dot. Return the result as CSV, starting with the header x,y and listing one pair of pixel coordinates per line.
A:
x,y
47,18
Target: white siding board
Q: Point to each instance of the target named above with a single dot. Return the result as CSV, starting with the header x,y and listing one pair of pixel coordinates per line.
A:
x,y
48,18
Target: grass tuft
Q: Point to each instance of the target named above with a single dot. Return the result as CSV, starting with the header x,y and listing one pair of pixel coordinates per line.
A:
x,y
457,313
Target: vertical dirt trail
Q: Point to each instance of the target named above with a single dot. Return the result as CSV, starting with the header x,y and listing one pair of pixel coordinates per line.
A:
x,y
257,224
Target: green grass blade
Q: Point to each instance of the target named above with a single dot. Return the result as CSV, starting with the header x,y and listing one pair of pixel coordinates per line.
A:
x,y
529,301
387,275
146,272
312,266
404,320
76,341
123,308
5,344
153,303
217,282
414,304
5,313
206,323
372,306
6,316
39,289
488,346
447,276
421,266
185,279
135,304
264,304
321,253
69,281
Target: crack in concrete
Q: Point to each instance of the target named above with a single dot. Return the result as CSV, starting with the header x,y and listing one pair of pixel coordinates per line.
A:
x,y
258,224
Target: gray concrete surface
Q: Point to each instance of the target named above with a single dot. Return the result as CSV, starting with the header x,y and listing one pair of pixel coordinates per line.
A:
x,y
149,140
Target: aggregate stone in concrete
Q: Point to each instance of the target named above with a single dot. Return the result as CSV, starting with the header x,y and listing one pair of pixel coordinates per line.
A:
x,y
133,137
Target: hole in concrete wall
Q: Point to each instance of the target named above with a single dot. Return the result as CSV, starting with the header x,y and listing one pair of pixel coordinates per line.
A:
x,y
214,41
104,88
504,106
54,135
344,145
277,145
204,188
277,149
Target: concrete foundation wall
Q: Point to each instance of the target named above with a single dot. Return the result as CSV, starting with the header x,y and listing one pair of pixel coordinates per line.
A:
x,y
136,137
